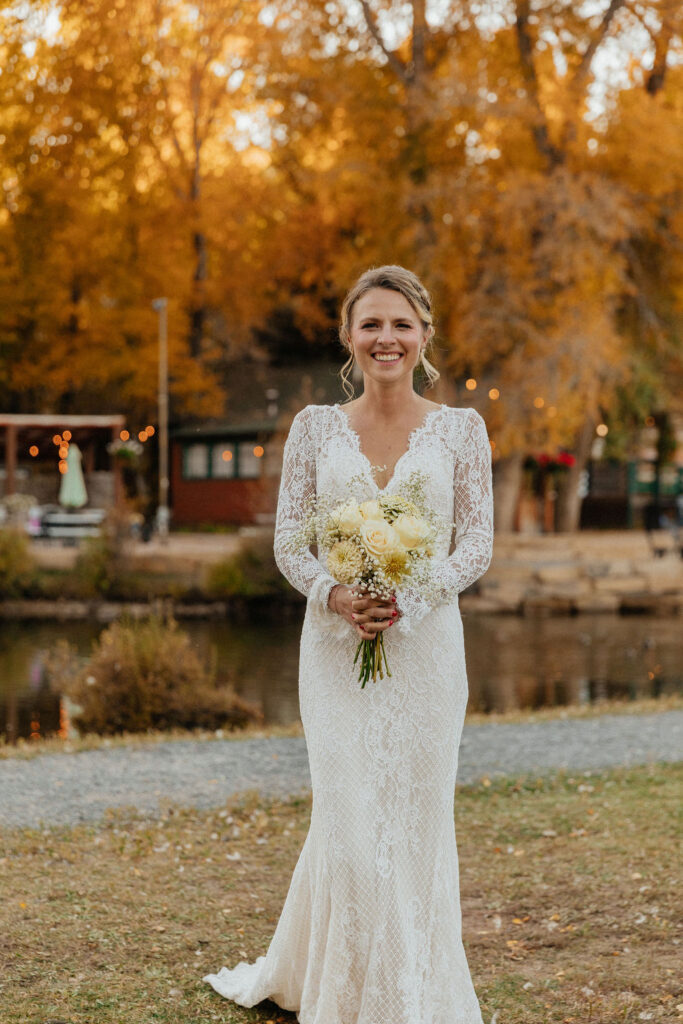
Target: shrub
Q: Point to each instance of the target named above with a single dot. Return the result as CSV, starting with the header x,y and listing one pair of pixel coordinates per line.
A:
x,y
102,567
250,573
146,676
16,564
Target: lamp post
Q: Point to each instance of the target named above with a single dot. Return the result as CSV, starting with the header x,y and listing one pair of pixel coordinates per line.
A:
x,y
163,515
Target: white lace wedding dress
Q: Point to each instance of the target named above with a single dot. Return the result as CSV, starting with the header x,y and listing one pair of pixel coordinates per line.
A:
x,y
370,931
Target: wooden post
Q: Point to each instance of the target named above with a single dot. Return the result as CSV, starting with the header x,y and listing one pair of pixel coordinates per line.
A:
x,y
10,458
118,478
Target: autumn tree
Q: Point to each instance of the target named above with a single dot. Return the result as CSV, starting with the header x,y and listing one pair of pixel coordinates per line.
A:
x,y
492,176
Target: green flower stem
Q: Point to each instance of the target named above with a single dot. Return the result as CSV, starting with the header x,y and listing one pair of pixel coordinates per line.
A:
x,y
373,659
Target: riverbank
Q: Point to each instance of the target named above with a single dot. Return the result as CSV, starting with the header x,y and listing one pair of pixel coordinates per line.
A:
x,y
53,789
588,572
566,888
26,749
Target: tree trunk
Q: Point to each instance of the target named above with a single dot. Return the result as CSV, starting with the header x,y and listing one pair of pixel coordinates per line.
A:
x,y
568,500
507,481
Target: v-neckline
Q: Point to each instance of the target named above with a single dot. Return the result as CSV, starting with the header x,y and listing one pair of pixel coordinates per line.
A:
x,y
413,434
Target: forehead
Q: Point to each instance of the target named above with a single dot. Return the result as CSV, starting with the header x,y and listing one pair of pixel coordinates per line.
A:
x,y
384,302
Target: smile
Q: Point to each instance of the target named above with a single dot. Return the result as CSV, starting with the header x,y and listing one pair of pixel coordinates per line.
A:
x,y
387,357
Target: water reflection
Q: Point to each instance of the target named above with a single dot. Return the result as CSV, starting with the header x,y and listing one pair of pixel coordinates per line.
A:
x,y
512,662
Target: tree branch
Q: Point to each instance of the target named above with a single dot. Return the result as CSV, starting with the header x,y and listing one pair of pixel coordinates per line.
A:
x,y
662,41
590,51
546,148
395,62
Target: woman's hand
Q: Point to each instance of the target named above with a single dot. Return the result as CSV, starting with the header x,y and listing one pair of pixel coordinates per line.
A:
x,y
369,615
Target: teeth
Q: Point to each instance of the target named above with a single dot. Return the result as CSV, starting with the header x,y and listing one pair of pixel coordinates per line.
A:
x,y
387,358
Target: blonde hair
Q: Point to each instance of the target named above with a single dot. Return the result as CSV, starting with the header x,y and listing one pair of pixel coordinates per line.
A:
x,y
396,279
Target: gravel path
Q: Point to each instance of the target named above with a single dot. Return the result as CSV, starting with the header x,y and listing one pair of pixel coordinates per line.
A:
x,y
62,789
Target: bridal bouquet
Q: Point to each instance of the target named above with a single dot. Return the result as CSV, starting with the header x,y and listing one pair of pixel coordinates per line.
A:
x,y
374,546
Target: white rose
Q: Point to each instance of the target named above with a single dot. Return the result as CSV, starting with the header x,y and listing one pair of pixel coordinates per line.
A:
x,y
371,509
412,531
349,518
379,537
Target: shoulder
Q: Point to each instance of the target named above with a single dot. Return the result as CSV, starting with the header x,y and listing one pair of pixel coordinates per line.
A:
x,y
467,416
310,420
465,425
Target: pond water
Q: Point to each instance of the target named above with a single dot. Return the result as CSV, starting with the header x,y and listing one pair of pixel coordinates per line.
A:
x,y
512,662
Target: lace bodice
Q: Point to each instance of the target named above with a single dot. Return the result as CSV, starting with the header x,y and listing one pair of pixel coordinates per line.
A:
x,y
322,454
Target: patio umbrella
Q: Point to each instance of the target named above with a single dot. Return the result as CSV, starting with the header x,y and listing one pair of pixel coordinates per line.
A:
x,y
72,493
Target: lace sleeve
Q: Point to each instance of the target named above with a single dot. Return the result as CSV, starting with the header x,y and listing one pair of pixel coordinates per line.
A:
x,y
297,484
473,515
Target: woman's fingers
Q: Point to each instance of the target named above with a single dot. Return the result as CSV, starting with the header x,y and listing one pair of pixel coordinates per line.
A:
x,y
374,625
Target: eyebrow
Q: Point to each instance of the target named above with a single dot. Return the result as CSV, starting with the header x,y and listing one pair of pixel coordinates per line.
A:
x,y
370,316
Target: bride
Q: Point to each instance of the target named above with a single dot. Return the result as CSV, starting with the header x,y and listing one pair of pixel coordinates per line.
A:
x,y
370,931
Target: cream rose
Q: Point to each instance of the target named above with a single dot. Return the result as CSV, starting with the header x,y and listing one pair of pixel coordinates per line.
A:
x,y
371,509
412,531
349,518
379,537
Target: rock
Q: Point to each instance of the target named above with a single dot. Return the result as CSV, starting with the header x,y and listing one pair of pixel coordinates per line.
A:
x,y
597,602
620,585
557,574
544,604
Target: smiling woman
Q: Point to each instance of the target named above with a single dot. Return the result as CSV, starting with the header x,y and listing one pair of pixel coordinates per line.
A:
x,y
371,926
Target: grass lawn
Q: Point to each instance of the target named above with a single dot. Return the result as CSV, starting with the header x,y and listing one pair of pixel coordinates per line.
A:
x,y
569,885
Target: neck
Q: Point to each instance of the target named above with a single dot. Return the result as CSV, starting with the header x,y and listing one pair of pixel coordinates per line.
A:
x,y
388,402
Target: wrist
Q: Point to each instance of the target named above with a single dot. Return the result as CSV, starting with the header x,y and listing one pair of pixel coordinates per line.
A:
x,y
332,598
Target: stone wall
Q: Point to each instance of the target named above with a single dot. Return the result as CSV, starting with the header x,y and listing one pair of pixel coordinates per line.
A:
x,y
589,571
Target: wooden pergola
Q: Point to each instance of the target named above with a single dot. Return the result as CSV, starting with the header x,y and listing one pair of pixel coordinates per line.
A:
x,y
16,422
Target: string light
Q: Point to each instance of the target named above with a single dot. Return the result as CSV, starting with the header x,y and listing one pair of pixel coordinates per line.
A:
x,y
539,402
124,435
63,466
63,451
67,435
142,435
601,429
470,383
258,451
33,450
150,431
57,439
494,393
226,456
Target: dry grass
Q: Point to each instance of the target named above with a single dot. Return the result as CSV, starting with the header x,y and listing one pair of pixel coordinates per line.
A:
x,y
568,886
91,741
